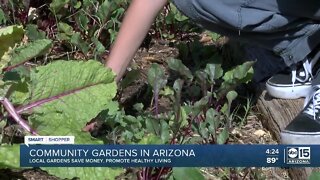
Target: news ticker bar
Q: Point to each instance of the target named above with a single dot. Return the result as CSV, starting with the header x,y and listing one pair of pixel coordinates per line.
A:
x,y
170,156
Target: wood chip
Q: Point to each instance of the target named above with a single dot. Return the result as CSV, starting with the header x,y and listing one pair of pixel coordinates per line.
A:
x,y
259,133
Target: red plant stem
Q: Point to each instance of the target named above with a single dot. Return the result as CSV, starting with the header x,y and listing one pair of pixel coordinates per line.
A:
x,y
9,68
160,173
139,175
12,111
147,174
144,173
37,103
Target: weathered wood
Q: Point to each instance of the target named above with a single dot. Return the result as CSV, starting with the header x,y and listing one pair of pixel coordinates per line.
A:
x,y
276,114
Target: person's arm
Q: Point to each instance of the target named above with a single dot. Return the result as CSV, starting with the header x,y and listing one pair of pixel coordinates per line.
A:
x,y
137,21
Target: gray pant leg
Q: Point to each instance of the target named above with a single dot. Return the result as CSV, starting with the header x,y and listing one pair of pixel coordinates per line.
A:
x,y
289,28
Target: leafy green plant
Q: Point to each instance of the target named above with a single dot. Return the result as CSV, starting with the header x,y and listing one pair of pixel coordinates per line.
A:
x,y
91,26
186,173
85,29
157,80
171,22
202,114
55,99
3,18
86,26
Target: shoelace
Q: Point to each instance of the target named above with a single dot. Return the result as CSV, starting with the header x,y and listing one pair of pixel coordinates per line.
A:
x,y
314,107
307,72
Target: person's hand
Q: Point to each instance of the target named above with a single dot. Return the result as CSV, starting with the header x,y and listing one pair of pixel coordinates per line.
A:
x,y
134,28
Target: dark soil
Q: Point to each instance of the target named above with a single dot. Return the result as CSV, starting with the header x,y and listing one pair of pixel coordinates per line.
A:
x,y
27,174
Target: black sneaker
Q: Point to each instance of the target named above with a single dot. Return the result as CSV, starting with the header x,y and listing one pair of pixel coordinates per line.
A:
x,y
294,85
305,128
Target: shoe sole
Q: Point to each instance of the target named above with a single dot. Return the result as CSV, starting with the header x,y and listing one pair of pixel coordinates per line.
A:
x,y
288,137
288,92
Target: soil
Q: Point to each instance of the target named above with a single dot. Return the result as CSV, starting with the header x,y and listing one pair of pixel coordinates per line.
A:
x,y
27,174
251,132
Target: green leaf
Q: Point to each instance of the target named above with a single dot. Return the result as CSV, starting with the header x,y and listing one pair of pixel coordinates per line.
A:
x,y
3,18
203,130
113,34
231,95
20,93
211,118
139,135
214,71
4,61
104,11
153,126
65,28
15,32
178,15
77,5
99,47
177,86
167,91
223,136
242,73
151,139
63,37
130,77
77,40
10,156
9,36
165,134
67,94
2,125
22,73
96,173
113,107
194,140
4,88
83,22
34,33
199,105
183,117
214,36
156,77
127,135
57,5
314,176
177,65
183,173
201,76
87,3
138,107
31,50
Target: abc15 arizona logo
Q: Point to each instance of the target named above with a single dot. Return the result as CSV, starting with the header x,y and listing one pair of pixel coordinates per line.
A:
x,y
298,155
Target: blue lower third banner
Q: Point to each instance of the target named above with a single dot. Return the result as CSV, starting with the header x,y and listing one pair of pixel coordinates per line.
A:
x,y
169,156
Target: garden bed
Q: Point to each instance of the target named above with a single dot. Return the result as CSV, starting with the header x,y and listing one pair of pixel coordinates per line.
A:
x,y
247,130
